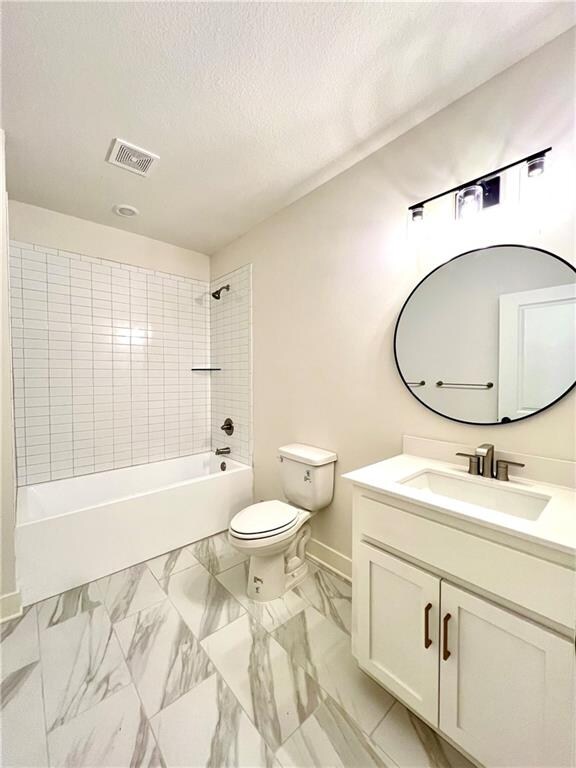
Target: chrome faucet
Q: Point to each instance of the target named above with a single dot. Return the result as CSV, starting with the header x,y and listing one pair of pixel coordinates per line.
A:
x,y
222,451
486,453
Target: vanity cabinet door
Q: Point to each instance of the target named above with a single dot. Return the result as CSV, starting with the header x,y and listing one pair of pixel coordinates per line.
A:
x,y
506,687
397,610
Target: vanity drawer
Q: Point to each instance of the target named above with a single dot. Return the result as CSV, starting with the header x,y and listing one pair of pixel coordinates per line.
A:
x,y
545,588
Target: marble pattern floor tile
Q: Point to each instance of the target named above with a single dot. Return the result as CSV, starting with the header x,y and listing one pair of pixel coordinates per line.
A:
x,y
316,644
129,591
211,679
216,553
270,614
22,727
413,744
208,727
115,733
82,664
19,642
201,600
62,607
164,566
331,739
276,693
163,656
328,593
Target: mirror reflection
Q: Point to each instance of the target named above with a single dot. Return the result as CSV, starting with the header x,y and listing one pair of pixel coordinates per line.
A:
x,y
490,336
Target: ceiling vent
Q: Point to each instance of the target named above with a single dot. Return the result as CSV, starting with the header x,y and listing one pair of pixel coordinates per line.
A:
x,y
131,158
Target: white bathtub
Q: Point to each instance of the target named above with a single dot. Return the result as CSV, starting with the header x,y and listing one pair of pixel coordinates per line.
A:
x,y
72,531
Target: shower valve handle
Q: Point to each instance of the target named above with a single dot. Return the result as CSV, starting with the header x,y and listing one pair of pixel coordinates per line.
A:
x,y
228,427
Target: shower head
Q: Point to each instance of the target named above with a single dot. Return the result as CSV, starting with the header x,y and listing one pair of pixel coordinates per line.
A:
x,y
216,294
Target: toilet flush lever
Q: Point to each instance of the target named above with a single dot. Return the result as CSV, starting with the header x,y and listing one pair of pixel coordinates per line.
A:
x,y
307,478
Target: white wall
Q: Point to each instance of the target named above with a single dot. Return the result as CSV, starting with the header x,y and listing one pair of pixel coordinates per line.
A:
x,y
9,600
31,224
331,272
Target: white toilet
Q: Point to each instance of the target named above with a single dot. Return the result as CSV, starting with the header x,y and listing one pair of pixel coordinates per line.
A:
x,y
275,533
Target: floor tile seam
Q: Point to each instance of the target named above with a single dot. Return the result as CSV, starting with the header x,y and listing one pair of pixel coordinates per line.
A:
x,y
321,698
219,675
165,600
385,715
224,570
137,692
243,710
174,573
258,621
367,736
34,607
88,709
135,613
181,617
306,669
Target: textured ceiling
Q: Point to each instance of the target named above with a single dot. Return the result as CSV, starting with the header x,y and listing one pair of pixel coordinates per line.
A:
x,y
249,105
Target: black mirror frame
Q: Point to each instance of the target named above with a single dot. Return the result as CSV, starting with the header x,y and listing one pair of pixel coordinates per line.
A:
x,y
413,291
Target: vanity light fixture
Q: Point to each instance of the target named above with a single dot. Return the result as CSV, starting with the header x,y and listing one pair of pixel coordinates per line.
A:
x,y
535,165
483,191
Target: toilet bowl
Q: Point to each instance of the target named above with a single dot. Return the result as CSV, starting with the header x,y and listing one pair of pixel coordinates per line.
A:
x,y
274,533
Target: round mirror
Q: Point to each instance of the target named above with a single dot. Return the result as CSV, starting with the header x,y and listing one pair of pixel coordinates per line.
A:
x,y
490,336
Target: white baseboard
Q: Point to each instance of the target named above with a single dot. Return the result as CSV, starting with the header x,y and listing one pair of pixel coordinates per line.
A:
x,y
10,606
330,558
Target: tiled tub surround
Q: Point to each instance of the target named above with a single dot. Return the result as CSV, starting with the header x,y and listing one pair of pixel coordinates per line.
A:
x,y
161,665
101,523
102,353
231,350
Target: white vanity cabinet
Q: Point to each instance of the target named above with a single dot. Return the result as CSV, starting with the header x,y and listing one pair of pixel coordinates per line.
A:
x,y
497,683
507,687
396,640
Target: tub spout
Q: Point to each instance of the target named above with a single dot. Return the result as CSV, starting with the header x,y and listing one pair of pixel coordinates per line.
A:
x,y
222,451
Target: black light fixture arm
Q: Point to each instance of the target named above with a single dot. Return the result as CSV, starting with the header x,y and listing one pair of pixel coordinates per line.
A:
x,y
479,179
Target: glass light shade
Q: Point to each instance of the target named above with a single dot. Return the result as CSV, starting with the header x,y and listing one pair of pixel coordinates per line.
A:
x,y
468,201
535,166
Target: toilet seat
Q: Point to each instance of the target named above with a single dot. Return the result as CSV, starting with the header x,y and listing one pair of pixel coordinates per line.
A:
x,y
264,520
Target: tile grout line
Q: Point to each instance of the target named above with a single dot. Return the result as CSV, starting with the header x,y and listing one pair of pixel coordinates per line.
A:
x,y
133,682
44,717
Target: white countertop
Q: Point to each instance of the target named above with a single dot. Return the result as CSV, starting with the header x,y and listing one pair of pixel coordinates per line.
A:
x,y
554,528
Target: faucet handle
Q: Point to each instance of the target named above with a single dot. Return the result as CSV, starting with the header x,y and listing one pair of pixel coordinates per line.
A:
x,y
502,468
473,462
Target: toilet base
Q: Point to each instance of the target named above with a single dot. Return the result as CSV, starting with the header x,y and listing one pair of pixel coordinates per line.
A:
x,y
268,580
270,576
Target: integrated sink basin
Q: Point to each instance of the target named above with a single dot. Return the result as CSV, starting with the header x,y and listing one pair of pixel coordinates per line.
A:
x,y
480,492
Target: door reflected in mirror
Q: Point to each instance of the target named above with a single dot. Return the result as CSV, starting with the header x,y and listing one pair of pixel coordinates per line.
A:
x,y
489,337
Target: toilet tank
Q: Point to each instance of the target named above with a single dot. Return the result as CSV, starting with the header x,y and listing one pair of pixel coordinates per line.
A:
x,y
307,475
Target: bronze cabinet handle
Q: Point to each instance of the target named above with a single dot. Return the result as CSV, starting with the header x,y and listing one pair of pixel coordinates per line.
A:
x,y
445,651
427,638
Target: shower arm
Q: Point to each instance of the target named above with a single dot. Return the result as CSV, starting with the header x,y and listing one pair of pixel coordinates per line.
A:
x,y
216,294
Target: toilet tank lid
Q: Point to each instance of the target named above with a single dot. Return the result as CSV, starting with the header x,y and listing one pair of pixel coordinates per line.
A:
x,y
307,454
